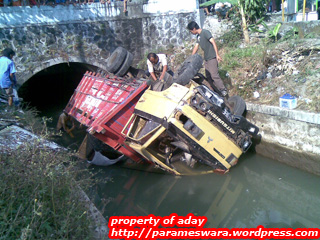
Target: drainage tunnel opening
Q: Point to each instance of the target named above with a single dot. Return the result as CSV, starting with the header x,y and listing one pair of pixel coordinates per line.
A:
x,y
49,92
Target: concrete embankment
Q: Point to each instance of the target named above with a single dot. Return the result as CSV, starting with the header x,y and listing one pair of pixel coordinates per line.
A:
x,y
288,136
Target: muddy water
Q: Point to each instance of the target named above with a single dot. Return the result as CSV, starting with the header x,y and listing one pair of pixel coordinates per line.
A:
x,y
258,191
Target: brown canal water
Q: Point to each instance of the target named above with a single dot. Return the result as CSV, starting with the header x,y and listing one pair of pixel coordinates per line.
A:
x,y
257,191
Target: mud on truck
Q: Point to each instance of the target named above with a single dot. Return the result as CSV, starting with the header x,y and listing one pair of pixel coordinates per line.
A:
x,y
179,125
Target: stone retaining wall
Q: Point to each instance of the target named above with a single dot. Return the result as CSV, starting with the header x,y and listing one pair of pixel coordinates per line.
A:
x,y
289,136
45,36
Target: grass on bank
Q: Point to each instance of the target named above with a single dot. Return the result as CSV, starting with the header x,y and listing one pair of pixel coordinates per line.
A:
x,y
39,197
293,52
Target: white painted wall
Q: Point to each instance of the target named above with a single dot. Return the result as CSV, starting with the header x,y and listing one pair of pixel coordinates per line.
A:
x,y
20,16
47,15
310,16
165,6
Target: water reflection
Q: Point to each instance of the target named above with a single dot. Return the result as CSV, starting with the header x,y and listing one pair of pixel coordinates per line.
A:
x,y
256,192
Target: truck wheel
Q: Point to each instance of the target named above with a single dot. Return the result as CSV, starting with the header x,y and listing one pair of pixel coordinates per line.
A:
x,y
204,106
116,59
237,104
189,69
125,65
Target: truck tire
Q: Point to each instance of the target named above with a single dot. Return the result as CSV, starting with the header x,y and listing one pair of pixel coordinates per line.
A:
x,y
125,65
190,67
237,104
116,59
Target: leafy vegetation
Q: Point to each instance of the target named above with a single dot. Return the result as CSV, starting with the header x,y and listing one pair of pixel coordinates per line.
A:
x,y
254,9
236,57
250,11
291,34
231,39
254,27
273,33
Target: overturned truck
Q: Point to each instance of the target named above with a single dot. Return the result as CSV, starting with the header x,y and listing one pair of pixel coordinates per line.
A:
x,y
180,126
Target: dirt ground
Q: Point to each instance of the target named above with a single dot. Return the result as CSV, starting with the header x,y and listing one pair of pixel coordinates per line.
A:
x,y
290,67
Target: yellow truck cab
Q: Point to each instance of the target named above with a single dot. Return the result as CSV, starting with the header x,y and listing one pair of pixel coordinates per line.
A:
x,y
188,130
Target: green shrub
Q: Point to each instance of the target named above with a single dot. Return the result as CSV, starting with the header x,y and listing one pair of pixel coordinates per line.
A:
x,y
236,57
273,33
39,195
230,39
291,34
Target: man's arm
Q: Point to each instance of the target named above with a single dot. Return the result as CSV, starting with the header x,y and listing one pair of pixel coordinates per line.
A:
x,y
164,62
153,76
73,125
195,49
12,76
125,6
165,68
216,49
13,79
150,69
64,125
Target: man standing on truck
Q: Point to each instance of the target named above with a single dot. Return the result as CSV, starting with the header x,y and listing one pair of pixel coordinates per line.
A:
x,y
158,66
211,55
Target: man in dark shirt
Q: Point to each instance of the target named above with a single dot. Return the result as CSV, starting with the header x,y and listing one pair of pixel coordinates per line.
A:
x,y
211,55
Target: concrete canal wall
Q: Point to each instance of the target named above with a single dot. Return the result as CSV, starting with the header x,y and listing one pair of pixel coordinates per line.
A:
x,y
288,136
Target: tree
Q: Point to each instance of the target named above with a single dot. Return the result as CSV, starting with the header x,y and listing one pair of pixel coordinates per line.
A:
x,y
250,11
